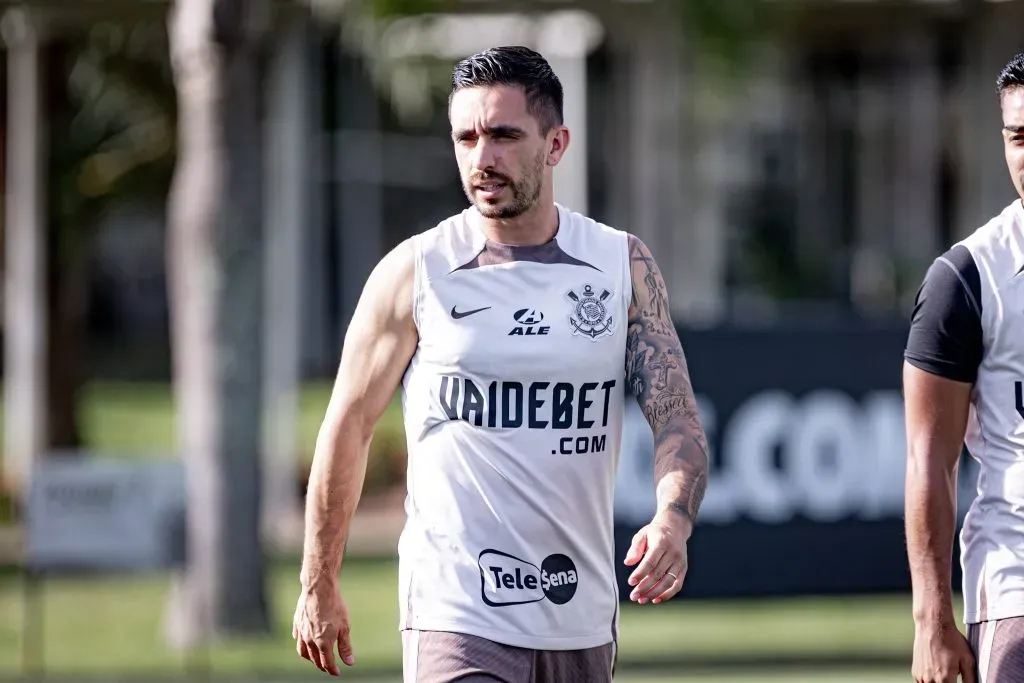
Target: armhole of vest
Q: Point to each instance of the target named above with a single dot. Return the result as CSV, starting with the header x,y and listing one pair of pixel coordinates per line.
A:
x,y
962,261
627,275
417,279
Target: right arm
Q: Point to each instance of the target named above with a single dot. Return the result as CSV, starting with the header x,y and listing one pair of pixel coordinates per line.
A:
x,y
936,416
944,350
379,343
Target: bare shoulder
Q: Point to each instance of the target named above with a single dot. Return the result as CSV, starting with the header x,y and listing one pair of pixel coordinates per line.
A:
x,y
649,302
389,289
636,245
400,261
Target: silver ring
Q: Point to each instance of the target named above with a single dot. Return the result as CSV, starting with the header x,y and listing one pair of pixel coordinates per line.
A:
x,y
674,577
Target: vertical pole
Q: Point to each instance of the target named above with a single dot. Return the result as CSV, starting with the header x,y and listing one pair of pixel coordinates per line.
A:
x,y
571,173
359,168
24,283
288,178
566,39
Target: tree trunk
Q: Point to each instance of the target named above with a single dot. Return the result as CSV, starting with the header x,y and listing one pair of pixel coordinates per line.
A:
x,y
66,263
66,324
215,268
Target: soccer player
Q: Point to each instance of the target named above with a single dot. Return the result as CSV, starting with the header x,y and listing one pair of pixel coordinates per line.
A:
x,y
964,384
515,328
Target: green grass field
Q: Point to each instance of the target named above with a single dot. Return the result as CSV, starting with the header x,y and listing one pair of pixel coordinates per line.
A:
x,y
137,420
132,419
888,675
106,627
111,625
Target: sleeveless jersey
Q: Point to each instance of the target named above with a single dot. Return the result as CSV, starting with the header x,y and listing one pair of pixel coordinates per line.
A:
x,y
513,406
969,326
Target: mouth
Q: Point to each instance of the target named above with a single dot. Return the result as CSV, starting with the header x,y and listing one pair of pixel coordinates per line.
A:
x,y
489,190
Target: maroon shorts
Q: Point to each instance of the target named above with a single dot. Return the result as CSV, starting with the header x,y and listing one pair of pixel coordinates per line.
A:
x,y
998,649
440,657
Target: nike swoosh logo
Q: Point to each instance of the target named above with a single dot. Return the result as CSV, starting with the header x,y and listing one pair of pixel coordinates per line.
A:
x,y
457,315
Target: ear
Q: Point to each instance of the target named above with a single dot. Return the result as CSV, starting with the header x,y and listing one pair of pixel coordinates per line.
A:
x,y
558,143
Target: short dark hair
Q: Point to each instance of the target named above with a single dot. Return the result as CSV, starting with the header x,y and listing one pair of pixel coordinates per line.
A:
x,y
1012,75
515,66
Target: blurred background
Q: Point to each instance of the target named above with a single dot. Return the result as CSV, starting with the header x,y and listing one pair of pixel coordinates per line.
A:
x,y
184,241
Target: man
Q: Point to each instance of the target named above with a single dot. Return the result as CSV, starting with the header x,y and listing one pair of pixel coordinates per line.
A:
x,y
964,384
513,327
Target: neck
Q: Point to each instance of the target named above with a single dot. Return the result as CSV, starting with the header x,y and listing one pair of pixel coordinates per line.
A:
x,y
537,226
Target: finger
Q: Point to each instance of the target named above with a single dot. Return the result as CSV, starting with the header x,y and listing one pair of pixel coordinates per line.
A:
x,y
345,647
653,585
326,648
967,673
637,548
314,654
642,592
300,645
651,559
668,587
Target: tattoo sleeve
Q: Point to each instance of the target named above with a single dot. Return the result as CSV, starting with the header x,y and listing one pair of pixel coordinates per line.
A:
x,y
658,376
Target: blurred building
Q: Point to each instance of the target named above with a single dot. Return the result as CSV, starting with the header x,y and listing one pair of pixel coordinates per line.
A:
x,y
849,145
852,144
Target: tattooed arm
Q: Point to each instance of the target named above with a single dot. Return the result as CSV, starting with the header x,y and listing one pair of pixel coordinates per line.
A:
x,y
657,373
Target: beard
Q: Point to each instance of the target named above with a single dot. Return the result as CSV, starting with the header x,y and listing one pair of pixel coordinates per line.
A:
x,y
523,193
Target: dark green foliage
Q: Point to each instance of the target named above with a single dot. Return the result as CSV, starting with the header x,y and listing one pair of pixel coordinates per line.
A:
x,y
725,30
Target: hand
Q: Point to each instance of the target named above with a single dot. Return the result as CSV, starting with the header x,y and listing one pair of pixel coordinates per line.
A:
x,y
662,546
321,621
941,655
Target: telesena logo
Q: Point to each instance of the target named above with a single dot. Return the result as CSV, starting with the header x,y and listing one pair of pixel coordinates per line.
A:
x,y
507,580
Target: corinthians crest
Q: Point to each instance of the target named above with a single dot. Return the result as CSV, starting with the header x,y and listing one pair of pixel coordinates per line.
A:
x,y
590,316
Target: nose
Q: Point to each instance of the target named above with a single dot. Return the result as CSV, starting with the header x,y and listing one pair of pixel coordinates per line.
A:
x,y
485,154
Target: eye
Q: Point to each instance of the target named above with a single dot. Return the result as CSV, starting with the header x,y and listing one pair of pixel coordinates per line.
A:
x,y
504,133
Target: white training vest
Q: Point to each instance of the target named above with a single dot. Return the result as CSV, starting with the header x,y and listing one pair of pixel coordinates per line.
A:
x,y
993,532
513,407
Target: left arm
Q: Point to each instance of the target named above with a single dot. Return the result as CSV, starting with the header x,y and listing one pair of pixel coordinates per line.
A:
x,y
657,373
